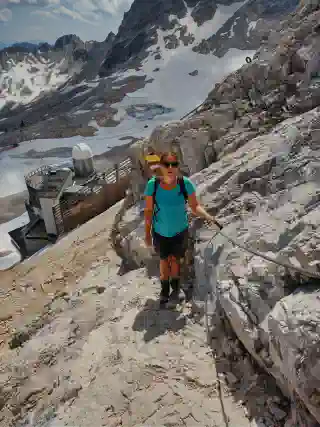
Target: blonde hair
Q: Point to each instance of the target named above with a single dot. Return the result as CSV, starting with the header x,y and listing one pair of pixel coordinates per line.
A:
x,y
169,154
160,156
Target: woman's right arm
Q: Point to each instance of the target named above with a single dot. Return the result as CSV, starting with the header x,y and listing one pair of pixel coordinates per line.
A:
x,y
148,214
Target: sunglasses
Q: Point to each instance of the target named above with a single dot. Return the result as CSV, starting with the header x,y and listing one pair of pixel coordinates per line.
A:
x,y
172,164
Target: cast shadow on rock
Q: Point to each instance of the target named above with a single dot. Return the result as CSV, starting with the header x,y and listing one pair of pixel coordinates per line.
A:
x,y
156,322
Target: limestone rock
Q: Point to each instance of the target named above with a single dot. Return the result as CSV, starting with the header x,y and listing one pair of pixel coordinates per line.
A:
x,y
263,187
278,327
295,344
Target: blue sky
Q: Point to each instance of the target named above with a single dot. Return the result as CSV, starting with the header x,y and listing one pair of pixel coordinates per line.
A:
x,y
46,20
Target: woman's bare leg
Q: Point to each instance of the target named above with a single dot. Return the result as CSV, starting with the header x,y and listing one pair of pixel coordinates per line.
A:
x,y
174,265
164,269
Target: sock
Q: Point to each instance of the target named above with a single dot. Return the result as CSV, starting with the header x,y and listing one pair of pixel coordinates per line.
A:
x,y
165,288
175,283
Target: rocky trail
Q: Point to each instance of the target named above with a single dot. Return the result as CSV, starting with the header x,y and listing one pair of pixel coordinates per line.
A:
x,y
138,365
102,353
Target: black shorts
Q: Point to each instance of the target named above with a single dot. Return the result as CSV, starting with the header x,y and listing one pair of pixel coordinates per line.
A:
x,y
171,246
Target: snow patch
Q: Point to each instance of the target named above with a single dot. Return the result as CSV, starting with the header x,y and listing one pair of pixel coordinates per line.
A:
x,y
14,223
209,28
171,85
24,81
9,255
78,112
121,75
84,92
252,25
232,34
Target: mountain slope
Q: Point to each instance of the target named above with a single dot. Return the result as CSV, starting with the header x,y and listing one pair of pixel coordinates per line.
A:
x,y
191,22
27,70
131,365
165,58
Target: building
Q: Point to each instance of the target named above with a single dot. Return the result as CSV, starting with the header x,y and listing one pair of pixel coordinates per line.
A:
x,y
45,187
62,198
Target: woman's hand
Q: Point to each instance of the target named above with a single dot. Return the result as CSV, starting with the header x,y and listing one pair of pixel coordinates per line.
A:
x,y
199,211
214,221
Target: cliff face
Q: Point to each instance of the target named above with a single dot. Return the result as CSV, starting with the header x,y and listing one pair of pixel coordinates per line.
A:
x,y
224,25
169,48
267,195
254,154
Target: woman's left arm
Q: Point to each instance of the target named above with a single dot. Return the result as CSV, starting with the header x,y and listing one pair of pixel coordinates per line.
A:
x,y
199,211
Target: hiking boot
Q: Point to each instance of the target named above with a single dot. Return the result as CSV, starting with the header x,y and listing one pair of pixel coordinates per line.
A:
x,y
176,295
164,294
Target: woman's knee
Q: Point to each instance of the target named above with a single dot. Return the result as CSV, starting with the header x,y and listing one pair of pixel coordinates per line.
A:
x,y
175,265
174,259
164,269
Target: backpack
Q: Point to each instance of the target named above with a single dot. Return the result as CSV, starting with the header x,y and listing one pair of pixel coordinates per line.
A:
x,y
183,191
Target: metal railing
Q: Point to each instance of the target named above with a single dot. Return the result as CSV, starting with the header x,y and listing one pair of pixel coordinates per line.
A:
x,y
121,170
40,170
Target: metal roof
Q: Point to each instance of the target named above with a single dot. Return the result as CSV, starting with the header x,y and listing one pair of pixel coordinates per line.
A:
x,y
50,183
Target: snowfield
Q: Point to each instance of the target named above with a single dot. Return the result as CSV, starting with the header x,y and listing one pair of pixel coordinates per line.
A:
x,y
208,28
172,86
24,81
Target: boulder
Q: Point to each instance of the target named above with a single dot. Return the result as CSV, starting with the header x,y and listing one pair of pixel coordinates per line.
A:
x,y
190,138
294,341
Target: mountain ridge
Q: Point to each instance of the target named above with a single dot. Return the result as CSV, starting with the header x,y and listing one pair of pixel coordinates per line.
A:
x,y
155,43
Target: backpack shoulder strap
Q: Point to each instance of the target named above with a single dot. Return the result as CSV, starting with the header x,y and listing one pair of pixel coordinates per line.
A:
x,y
156,185
155,204
183,189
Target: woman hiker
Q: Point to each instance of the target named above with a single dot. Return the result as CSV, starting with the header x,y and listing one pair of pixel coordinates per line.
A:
x,y
166,222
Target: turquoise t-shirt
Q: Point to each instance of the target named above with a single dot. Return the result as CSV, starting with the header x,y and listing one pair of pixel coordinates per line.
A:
x,y
172,217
